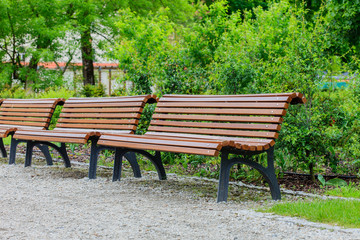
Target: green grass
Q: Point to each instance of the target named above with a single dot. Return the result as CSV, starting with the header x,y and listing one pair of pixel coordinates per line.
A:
x,y
352,190
345,213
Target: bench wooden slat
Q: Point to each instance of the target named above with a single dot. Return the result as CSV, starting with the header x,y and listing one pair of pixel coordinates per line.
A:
x,y
216,132
101,110
167,142
110,131
101,115
24,105
198,136
104,100
218,118
26,119
222,105
43,110
29,101
223,142
51,139
272,112
98,121
103,105
46,114
37,124
188,150
55,133
150,98
97,126
219,98
273,127
293,94
295,97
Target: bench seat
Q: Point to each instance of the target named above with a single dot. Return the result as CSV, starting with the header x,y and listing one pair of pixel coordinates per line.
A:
x,y
62,136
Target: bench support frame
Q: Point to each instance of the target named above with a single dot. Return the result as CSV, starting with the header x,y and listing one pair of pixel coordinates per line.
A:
x,y
43,148
95,151
155,159
2,148
267,172
129,154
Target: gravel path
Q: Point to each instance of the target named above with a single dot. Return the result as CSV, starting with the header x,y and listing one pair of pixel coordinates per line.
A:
x,y
38,204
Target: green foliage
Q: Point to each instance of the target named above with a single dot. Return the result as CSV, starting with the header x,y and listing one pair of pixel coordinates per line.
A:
x,y
343,19
145,118
57,92
14,92
336,212
93,91
337,182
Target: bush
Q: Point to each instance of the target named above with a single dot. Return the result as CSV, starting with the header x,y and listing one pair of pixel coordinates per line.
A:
x,y
93,91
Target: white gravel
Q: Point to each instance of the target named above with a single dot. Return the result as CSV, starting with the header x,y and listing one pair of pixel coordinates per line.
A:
x,y
36,204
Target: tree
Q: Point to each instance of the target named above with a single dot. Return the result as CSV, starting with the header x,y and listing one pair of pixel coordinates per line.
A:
x,y
12,34
29,29
343,20
97,17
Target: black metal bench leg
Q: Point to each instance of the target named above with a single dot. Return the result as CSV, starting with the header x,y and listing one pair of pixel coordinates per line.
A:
x,y
268,173
2,148
13,146
93,159
45,150
271,176
223,187
119,153
29,150
131,157
64,155
156,160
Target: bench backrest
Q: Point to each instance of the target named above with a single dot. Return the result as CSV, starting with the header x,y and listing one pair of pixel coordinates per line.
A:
x,y
28,113
109,114
239,117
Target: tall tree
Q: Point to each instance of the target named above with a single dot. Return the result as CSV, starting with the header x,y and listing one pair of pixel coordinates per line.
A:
x,y
96,17
12,34
29,29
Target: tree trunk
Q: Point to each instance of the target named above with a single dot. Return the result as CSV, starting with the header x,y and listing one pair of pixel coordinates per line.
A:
x,y
311,166
87,53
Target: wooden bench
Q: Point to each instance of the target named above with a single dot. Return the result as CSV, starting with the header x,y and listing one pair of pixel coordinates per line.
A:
x,y
244,125
20,114
82,120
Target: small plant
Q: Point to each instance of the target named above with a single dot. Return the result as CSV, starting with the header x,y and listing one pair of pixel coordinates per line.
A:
x,y
93,91
336,182
72,147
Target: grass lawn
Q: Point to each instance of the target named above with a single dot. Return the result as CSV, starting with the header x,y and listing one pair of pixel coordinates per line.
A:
x,y
345,213
352,190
